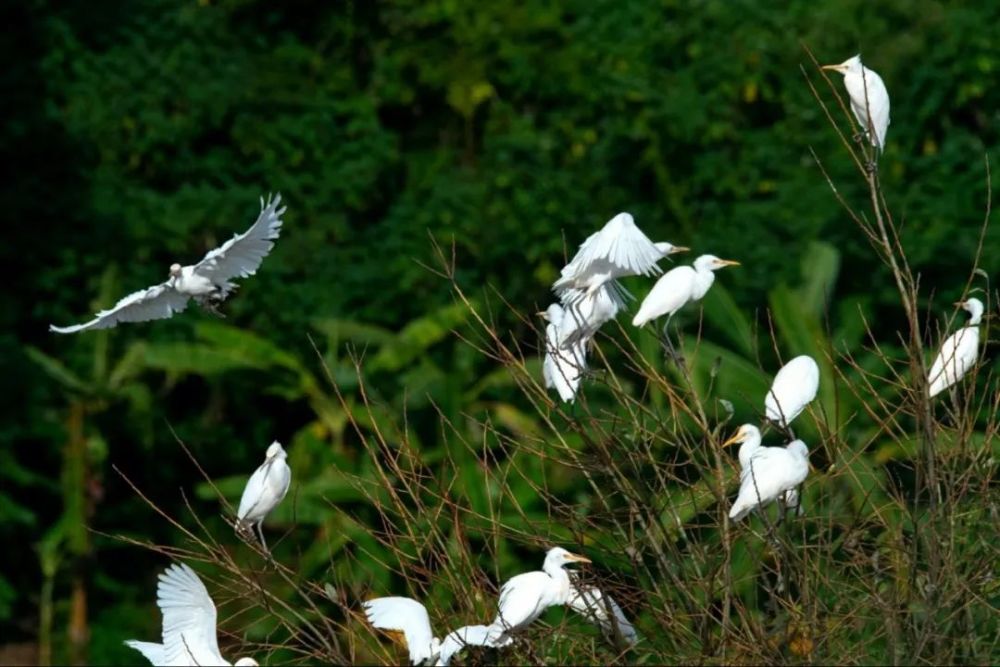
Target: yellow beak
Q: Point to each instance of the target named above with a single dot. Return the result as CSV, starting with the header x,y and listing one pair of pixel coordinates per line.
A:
x,y
733,440
577,558
728,262
678,248
834,68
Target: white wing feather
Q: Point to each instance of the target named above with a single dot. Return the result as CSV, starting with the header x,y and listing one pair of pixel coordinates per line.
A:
x,y
189,619
242,255
470,635
794,387
668,295
254,492
772,471
618,249
153,303
958,354
150,650
593,603
404,615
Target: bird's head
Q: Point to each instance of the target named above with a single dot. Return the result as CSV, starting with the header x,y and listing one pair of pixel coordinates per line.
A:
x,y
974,307
852,64
551,314
558,557
713,263
175,270
669,248
746,433
275,450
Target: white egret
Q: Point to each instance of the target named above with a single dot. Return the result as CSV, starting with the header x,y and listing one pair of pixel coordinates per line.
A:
x,y
794,387
959,351
602,610
406,615
619,249
208,282
189,618
867,92
563,364
767,473
679,286
266,488
586,311
526,597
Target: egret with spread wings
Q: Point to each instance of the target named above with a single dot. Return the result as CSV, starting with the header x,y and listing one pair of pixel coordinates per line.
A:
x,y
209,282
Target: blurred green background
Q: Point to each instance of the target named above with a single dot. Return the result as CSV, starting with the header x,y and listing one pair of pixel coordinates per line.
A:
x,y
141,133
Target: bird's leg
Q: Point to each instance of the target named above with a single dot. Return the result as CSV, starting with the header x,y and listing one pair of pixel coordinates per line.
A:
x,y
668,347
263,542
211,305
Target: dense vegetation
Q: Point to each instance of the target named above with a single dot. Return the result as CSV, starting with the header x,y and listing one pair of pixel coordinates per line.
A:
x,y
400,378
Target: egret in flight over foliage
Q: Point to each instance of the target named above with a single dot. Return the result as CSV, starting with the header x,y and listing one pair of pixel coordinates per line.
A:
x,y
266,488
408,616
208,282
959,351
678,287
794,387
767,473
619,249
189,617
526,597
564,363
867,92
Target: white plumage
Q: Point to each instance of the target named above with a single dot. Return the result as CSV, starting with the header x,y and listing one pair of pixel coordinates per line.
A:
x,y
526,597
408,616
189,618
207,282
868,93
679,286
264,490
619,249
767,472
563,364
958,352
594,605
794,387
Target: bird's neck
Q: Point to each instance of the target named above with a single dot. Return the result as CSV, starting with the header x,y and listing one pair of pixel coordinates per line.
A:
x,y
703,279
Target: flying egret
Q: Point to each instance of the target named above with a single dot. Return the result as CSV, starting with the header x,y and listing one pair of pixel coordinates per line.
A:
x,y
266,488
958,353
189,617
767,472
526,597
619,249
563,364
207,282
408,616
867,92
602,610
679,286
794,387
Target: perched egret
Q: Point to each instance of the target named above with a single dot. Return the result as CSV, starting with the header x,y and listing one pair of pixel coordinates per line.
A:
x,y
867,92
585,312
619,249
602,610
563,364
410,617
266,488
189,617
794,387
958,353
679,286
207,282
767,472
526,597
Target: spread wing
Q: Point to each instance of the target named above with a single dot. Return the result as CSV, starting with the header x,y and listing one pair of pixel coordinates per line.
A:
x,y
602,610
242,255
151,651
404,615
188,618
153,303
619,249
470,635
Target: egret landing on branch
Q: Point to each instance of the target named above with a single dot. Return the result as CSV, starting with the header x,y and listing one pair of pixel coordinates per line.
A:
x,y
208,282
189,617
408,616
868,94
767,473
264,490
794,387
958,353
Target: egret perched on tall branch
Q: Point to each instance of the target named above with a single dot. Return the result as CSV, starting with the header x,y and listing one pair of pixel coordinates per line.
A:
x,y
619,249
189,617
564,363
526,597
680,286
767,473
794,387
408,616
959,351
867,92
266,488
208,282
